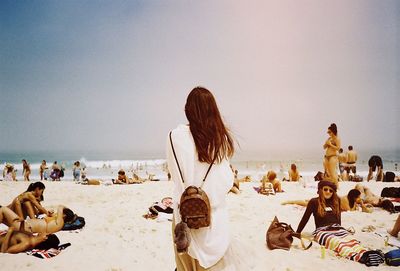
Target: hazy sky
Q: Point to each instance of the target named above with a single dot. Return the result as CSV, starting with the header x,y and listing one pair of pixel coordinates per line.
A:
x,y
114,75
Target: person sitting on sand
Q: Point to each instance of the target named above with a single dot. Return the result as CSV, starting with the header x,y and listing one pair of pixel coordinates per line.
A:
x,y
28,203
329,233
294,174
9,173
49,224
396,228
271,178
351,202
55,174
14,241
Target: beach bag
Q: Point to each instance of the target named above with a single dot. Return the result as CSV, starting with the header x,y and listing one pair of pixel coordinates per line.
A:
x,y
389,176
194,205
392,257
76,224
280,236
390,192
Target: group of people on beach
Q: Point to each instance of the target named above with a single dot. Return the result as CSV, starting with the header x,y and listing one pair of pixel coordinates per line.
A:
x,y
57,171
30,225
198,162
206,142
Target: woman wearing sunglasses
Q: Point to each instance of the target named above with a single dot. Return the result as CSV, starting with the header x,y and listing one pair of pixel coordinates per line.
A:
x,y
329,233
325,208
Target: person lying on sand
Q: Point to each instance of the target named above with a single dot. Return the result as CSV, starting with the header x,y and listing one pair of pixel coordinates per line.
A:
x,y
50,224
371,199
15,242
123,178
28,203
164,206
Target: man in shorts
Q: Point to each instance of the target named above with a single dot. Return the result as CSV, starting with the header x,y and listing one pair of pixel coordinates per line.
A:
x,y
351,159
375,162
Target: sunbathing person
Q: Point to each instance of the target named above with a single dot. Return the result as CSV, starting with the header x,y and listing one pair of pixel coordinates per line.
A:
x,y
329,233
294,174
122,178
28,203
9,173
15,242
137,179
371,199
352,202
49,224
271,178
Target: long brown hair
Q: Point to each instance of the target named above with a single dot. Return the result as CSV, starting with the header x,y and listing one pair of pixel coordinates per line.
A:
x,y
210,135
322,203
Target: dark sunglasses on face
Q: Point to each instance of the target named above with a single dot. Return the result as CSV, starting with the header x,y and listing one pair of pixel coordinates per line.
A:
x,y
328,190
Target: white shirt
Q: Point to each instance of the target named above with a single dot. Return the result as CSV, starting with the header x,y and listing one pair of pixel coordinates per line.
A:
x,y
208,245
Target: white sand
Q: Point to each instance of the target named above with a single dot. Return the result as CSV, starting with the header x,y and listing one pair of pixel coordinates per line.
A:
x,y
117,237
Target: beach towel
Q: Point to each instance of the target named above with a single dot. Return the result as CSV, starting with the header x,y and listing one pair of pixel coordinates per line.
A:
x,y
334,238
269,190
47,253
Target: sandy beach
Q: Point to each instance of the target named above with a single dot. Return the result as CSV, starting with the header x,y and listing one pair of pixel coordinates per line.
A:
x,y
117,237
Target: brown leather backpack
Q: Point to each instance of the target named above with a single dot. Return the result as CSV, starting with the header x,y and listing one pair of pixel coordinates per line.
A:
x,y
194,206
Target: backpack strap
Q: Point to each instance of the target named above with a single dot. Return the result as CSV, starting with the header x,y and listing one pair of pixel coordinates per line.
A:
x,y
176,160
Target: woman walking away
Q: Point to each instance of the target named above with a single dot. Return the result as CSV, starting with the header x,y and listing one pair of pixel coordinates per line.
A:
x,y
331,147
204,145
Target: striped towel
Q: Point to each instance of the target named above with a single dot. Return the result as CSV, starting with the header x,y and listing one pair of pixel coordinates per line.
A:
x,y
334,238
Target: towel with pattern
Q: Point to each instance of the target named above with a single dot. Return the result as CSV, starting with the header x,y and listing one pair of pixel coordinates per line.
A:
x,y
336,238
47,253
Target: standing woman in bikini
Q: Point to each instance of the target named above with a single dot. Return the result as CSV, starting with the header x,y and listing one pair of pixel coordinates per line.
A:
x,y
28,203
331,147
26,170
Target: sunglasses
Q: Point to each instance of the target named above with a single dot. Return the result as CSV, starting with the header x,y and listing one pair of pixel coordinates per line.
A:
x,y
328,190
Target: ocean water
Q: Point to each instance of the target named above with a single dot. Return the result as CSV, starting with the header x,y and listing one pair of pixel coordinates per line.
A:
x,y
104,165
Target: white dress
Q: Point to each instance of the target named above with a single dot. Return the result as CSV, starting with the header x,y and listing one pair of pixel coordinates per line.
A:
x,y
208,245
